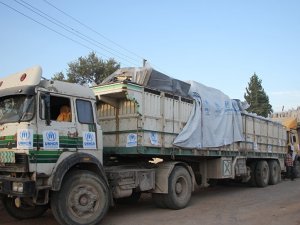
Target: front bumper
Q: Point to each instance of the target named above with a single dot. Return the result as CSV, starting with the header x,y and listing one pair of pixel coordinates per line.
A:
x,y
7,186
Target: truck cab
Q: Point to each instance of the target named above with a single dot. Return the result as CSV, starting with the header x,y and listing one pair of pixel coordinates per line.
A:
x,y
48,133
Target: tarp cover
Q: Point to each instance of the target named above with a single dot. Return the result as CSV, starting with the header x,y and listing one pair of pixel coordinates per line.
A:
x,y
160,81
149,77
215,120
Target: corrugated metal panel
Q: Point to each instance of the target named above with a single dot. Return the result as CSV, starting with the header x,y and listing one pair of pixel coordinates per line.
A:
x,y
152,105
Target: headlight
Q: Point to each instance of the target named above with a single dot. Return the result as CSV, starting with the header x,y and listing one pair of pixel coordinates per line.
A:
x,y
17,187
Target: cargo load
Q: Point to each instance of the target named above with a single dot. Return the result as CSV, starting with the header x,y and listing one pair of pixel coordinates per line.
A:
x,y
143,111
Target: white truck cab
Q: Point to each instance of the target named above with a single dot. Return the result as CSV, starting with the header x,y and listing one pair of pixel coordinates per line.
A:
x,y
48,132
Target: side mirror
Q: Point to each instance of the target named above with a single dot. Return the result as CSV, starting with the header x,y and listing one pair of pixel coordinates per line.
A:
x,y
45,108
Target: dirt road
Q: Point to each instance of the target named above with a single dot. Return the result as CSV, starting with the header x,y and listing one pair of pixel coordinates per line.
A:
x,y
220,205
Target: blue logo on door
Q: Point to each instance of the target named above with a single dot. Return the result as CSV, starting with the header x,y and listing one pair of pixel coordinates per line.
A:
x,y
51,139
51,136
89,140
89,137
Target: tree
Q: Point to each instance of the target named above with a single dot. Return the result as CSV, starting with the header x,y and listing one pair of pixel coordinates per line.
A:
x,y
257,98
87,70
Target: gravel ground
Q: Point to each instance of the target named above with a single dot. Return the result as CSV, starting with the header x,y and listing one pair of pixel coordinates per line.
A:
x,y
232,204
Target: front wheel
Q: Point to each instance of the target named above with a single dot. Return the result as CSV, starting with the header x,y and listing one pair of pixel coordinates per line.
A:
x,y
26,210
83,199
180,188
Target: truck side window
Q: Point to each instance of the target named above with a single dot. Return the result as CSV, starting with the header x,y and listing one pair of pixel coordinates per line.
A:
x,y
65,114
60,109
84,111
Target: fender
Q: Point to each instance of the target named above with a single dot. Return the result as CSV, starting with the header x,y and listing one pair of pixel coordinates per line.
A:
x,y
85,160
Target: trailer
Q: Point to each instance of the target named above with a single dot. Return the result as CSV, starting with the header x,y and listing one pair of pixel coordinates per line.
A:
x,y
80,150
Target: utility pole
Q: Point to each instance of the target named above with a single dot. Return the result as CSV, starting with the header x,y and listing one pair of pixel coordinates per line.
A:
x,y
144,62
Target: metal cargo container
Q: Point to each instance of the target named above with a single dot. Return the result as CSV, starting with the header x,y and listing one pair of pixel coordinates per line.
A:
x,y
139,120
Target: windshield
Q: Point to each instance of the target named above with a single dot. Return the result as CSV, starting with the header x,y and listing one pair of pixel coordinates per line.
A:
x,y
16,108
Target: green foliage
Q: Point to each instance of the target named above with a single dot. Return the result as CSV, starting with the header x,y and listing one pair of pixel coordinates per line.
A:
x,y
257,98
59,76
87,70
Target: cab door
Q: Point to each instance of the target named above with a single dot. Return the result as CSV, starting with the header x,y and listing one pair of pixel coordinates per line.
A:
x,y
88,130
56,127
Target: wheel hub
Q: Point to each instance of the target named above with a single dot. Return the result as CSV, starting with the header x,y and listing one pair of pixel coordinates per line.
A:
x,y
178,188
84,201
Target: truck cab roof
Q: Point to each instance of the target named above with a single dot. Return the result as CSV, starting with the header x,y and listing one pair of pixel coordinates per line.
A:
x,y
26,82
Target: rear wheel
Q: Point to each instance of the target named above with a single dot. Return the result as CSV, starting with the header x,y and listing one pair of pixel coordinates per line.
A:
x,y
275,172
83,199
262,173
252,181
180,188
27,209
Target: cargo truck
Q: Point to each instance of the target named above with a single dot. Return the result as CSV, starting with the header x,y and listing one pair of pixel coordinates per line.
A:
x,y
79,150
290,121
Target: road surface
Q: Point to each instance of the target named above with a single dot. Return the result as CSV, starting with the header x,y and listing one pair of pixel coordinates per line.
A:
x,y
233,204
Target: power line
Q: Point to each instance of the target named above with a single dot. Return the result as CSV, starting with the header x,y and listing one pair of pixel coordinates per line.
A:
x,y
69,29
44,25
73,31
51,29
80,33
101,35
93,30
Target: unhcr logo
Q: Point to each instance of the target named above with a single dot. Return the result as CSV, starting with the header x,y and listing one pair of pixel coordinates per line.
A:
x,y
25,139
24,135
89,137
51,139
89,141
51,136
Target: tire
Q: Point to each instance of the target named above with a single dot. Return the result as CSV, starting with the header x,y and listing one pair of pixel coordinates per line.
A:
x,y
252,181
275,172
262,173
180,188
159,200
132,199
83,199
25,211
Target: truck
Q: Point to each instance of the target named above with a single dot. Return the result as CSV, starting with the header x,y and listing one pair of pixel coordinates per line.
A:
x,y
290,120
139,131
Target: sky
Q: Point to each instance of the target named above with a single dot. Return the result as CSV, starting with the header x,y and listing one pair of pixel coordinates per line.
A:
x,y
218,43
